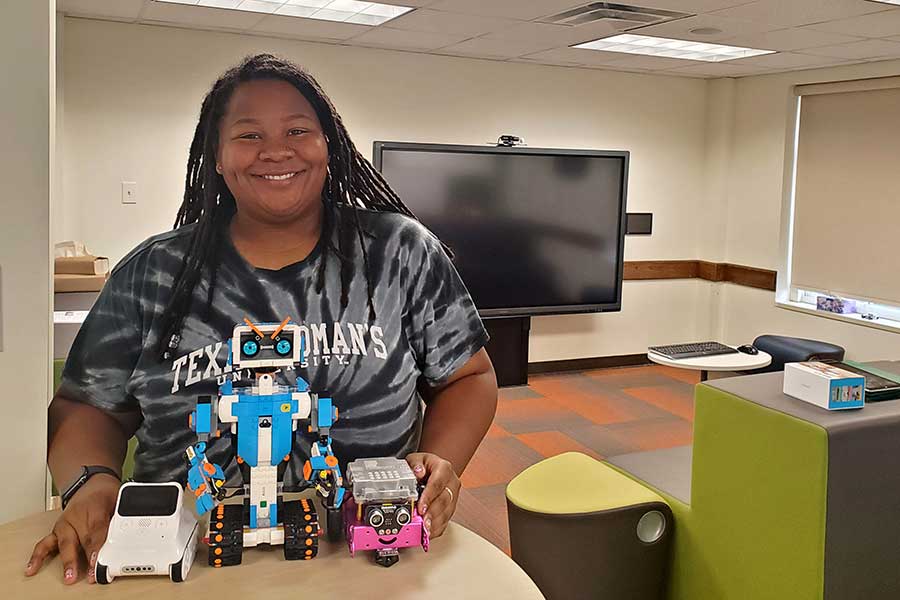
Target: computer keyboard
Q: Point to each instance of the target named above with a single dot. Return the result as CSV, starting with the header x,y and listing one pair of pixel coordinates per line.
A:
x,y
677,351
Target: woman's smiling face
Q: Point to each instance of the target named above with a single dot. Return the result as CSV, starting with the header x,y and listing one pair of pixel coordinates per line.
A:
x,y
272,152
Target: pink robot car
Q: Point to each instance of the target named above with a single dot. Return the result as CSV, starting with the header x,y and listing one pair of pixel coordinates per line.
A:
x,y
381,513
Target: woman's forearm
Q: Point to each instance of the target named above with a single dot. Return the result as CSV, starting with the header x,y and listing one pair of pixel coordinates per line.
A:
x,y
79,434
457,417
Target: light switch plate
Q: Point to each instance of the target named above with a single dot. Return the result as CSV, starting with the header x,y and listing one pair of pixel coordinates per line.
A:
x,y
129,192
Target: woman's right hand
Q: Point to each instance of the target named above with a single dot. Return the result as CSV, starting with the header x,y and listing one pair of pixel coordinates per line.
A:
x,y
80,530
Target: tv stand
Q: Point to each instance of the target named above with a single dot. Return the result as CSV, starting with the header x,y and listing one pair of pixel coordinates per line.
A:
x,y
508,348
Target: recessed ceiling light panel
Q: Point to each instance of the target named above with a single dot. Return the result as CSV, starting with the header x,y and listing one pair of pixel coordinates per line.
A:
x,y
670,48
345,11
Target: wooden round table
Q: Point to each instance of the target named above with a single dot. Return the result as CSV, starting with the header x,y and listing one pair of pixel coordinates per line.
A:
x,y
459,565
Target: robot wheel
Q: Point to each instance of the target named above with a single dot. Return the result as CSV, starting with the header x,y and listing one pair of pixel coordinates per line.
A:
x,y
226,535
301,530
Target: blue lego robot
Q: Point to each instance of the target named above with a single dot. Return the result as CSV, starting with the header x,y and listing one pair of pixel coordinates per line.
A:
x,y
263,416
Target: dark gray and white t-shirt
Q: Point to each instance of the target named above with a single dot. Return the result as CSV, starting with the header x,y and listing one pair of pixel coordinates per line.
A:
x,y
426,326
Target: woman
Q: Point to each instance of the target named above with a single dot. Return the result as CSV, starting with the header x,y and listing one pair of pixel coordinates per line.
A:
x,y
282,216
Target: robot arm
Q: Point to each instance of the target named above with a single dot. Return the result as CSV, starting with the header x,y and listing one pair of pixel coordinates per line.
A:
x,y
322,470
206,480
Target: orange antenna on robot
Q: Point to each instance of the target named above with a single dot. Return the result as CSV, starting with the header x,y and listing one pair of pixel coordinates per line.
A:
x,y
280,327
253,327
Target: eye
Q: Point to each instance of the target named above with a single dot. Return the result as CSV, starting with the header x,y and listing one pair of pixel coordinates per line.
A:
x,y
284,347
296,131
250,348
376,518
249,136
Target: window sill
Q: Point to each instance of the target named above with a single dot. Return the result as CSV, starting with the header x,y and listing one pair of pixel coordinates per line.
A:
x,y
883,324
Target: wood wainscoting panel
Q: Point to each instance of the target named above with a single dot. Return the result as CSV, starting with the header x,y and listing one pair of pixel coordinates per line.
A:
x,y
660,269
638,270
763,279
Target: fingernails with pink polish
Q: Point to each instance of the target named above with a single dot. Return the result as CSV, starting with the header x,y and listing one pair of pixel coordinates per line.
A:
x,y
428,525
70,574
423,509
419,469
93,560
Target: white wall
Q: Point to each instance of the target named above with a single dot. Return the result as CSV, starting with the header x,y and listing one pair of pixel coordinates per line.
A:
x,y
753,220
132,95
26,117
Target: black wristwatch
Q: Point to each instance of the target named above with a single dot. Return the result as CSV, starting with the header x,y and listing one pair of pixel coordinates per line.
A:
x,y
86,473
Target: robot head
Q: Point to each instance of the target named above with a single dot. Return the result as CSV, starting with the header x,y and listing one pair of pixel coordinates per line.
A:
x,y
257,345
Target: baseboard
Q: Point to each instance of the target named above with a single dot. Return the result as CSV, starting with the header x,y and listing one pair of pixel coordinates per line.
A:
x,y
585,364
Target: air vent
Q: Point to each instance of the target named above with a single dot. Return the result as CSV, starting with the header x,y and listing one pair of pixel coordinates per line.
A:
x,y
621,16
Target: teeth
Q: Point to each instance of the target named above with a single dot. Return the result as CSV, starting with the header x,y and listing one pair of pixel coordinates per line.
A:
x,y
278,177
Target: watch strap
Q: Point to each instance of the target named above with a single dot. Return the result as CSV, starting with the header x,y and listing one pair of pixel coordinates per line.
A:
x,y
87,471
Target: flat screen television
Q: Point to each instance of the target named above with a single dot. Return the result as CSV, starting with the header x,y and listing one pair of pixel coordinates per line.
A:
x,y
535,231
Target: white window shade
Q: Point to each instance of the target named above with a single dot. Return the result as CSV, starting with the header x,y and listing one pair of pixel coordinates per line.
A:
x,y
846,230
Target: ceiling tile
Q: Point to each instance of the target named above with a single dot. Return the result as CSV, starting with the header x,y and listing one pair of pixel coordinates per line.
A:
x,y
688,6
652,63
426,19
579,56
681,29
786,60
525,10
120,9
545,62
683,73
726,69
878,25
490,48
791,13
296,27
200,16
385,37
796,38
555,35
868,49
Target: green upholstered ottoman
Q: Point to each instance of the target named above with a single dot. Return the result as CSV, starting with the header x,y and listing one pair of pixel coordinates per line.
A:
x,y
583,530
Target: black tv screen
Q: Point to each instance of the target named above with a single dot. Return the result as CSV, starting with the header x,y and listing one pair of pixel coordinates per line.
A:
x,y
534,231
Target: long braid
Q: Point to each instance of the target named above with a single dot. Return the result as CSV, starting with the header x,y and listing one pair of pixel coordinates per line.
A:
x,y
352,181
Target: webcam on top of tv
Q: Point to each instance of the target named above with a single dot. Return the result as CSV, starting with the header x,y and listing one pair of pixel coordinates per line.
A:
x,y
508,141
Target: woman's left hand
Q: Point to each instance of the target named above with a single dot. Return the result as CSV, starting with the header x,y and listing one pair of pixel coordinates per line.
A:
x,y
438,501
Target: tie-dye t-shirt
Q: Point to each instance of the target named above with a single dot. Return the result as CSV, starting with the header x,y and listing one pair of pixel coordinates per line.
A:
x,y
425,327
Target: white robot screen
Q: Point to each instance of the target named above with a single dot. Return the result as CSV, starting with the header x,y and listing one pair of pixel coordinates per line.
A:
x,y
148,501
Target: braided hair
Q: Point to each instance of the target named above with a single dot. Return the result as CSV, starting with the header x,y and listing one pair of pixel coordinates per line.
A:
x,y
352,181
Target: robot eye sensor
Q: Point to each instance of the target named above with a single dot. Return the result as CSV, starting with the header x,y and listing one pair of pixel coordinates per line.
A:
x,y
250,347
284,345
375,518
402,516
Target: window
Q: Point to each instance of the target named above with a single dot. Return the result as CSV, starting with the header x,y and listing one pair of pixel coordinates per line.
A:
x,y
842,201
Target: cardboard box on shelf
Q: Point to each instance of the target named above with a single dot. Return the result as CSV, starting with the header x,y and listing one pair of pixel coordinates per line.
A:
x,y
63,282
81,265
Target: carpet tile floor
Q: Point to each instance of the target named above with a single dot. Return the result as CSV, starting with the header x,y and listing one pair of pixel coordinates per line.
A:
x,y
601,413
